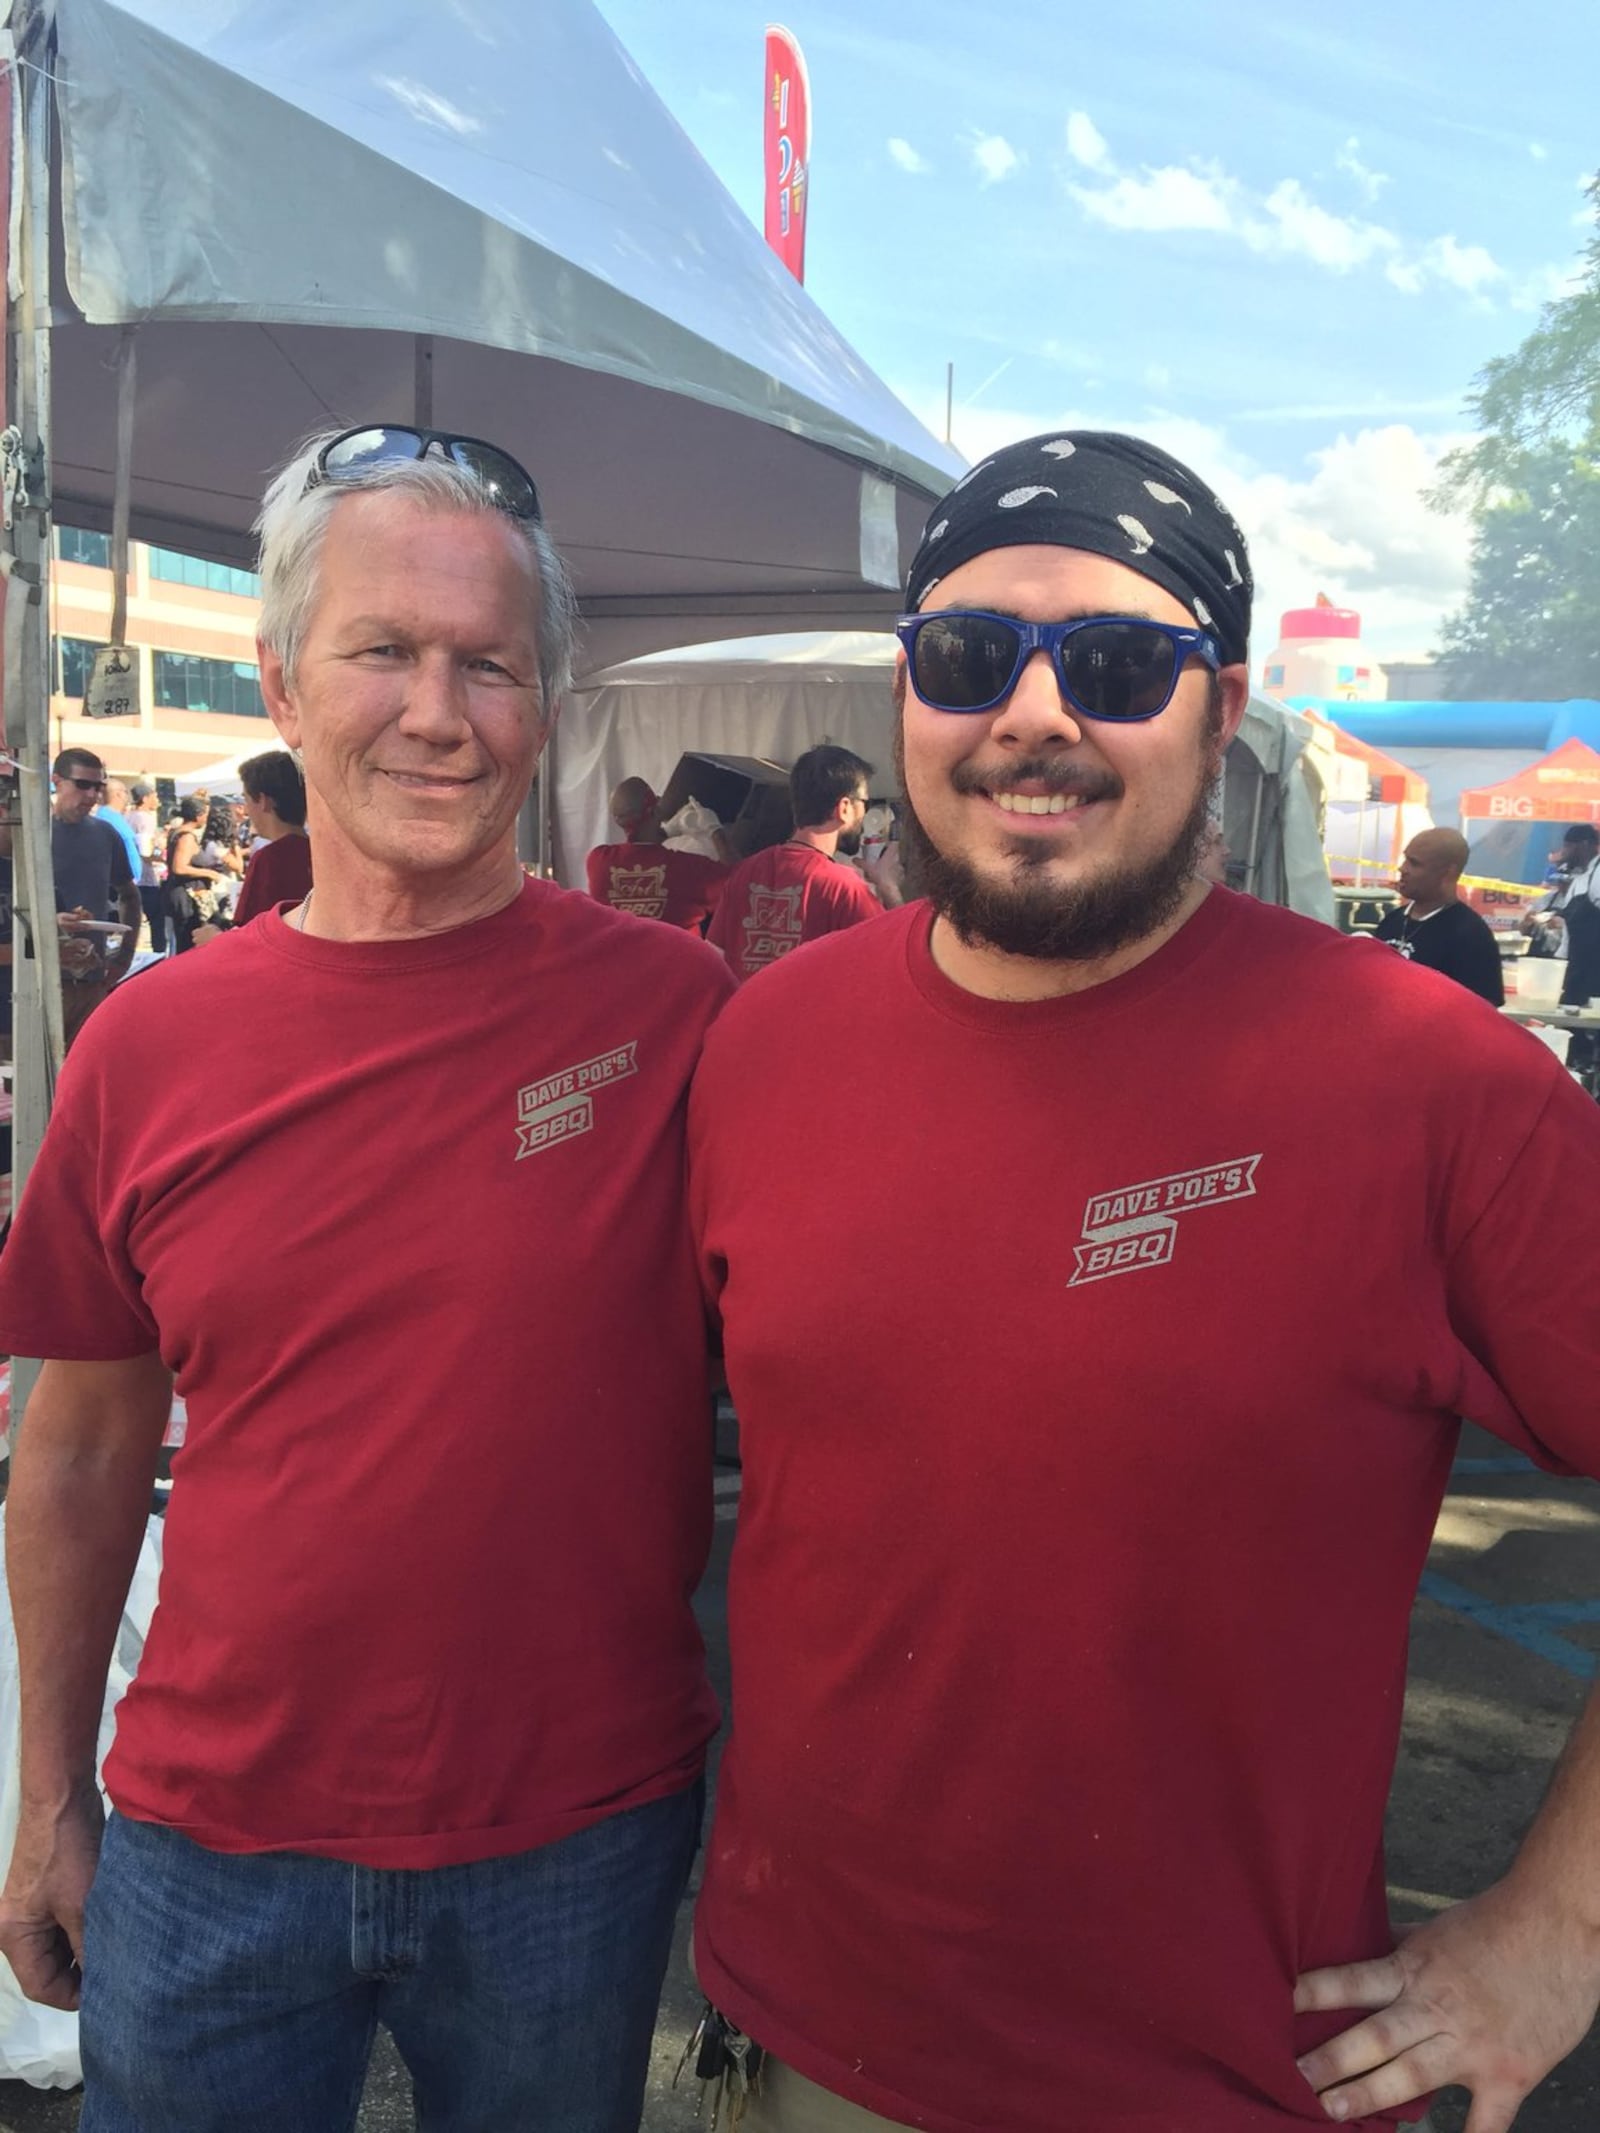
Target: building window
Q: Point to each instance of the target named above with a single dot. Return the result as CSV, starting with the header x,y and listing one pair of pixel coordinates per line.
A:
x,y
73,545
186,684
73,662
176,569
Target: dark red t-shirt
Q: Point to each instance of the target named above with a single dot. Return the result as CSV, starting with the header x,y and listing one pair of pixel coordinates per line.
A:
x,y
1090,1461
653,881
414,1244
279,873
780,897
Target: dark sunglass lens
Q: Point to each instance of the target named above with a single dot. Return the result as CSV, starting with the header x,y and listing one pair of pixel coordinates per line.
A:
x,y
1119,669
963,662
502,480
369,448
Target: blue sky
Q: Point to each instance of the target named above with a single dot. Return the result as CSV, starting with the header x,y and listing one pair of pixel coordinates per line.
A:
x,y
1283,247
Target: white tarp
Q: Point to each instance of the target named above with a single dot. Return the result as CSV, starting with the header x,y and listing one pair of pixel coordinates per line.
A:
x,y
39,2045
778,696
385,199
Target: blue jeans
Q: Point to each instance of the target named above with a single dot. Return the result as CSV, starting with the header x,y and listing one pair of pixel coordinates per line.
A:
x,y
240,1994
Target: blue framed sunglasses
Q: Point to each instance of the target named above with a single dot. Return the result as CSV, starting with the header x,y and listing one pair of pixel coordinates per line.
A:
x,y
1114,667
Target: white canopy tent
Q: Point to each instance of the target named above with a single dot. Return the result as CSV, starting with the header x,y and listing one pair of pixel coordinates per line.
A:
x,y
777,696
503,223
238,221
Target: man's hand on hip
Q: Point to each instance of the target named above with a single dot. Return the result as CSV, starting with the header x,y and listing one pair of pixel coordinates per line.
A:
x,y
41,1907
1488,1996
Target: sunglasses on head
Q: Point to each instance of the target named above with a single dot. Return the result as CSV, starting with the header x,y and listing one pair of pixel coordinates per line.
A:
x,y
1114,667
507,486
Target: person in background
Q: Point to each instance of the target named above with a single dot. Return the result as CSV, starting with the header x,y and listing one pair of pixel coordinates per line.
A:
x,y
114,809
279,870
221,850
191,885
1215,857
144,820
1575,906
1432,926
795,891
644,875
93,876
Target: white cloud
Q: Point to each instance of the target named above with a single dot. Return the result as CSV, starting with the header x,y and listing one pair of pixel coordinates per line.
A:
x,y
1296,224
1463,266
1173,197
1357,526
1086,144
1286,222
906,156
993,156
1349,161
1548,285
1538,151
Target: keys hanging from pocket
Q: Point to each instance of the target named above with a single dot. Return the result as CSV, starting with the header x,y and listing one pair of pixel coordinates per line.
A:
x,y
726,2064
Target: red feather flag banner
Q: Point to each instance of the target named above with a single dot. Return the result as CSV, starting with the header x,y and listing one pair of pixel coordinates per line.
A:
x,y
788,149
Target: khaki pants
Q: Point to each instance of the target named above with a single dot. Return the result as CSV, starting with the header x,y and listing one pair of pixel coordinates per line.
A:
x,y
788,2103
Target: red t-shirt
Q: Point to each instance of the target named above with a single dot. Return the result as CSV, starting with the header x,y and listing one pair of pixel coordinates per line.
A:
x,y
780,897
279,873
414,1243
1089,1466
652,881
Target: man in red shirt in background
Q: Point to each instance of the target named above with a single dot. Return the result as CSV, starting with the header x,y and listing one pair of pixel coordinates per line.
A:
x,y
1084,1504
644,875
418,1731
279,871
795,891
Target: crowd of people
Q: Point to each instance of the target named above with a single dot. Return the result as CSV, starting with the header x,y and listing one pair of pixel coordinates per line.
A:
x,y
130,880
1086,1486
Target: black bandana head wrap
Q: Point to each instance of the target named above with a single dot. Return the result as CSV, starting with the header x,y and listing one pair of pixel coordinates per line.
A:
x,y
1110,495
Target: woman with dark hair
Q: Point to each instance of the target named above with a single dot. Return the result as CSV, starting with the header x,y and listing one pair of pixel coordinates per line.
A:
x,y
222,851
275,800
191,887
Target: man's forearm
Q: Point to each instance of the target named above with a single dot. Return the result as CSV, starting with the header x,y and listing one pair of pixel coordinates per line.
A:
x,y
1559,1858
76,1512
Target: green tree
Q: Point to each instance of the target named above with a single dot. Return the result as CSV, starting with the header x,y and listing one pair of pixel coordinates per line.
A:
x,y
1530,626
1546,392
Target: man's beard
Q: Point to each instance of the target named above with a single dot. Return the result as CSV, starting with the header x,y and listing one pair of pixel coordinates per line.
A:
x,y
849,842
1052,921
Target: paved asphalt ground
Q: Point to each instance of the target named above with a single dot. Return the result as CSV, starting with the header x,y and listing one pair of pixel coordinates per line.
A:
x,y
1506,1635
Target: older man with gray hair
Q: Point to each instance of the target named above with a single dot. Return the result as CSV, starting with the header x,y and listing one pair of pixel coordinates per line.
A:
x,y
417,1735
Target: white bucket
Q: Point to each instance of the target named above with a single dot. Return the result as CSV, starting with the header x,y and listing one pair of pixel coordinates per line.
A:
x,y
1538,978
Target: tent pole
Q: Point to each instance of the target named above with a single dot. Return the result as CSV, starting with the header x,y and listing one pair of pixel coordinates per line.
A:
x,y
1254,875
542,850
422,381
24,465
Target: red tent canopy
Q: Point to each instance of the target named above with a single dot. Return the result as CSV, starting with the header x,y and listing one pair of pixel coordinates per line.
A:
x,y
1565,787
1392,781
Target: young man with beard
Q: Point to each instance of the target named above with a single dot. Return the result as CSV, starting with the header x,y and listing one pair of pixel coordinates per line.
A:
x,y
793,892
1069,1645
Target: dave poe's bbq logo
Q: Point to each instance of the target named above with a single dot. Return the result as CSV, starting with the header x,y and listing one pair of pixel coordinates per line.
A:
x,y
1137,1226
562,1105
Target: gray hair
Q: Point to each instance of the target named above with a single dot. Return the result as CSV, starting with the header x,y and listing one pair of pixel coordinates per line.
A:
x,y
294,521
